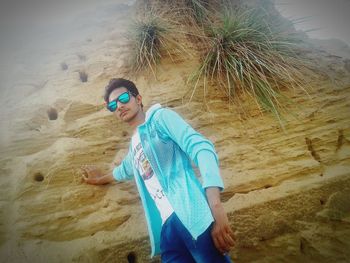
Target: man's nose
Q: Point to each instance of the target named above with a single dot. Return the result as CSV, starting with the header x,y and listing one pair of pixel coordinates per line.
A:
x,y
120,106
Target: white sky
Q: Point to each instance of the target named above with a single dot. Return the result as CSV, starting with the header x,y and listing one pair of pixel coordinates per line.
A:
x,y
331,17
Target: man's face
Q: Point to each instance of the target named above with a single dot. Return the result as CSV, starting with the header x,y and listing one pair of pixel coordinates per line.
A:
x,y
126,112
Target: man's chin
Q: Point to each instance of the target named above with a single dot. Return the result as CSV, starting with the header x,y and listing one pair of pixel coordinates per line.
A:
x,y
124,115
127,117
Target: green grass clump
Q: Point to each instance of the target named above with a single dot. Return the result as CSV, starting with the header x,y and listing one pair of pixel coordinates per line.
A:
x,y
247,52
198,9
151,37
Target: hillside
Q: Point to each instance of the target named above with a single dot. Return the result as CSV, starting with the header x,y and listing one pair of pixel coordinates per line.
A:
x,y
286,192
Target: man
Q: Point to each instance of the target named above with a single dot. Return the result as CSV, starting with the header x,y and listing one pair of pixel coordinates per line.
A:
x,y
186,220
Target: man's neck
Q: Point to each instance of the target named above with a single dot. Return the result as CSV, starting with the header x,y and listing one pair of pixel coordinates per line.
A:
x,y
137,120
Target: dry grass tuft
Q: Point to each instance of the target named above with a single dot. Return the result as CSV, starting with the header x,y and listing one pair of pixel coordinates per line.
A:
x,y
249,53
152,37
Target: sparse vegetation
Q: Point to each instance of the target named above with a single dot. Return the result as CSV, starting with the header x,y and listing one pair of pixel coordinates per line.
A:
x,y
246,54
198,9
151,37
242,50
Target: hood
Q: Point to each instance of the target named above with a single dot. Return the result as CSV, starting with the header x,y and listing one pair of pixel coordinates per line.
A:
x,y
151,111
149,114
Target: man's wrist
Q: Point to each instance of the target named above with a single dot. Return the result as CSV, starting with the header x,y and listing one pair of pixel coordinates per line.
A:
x,y
105,179
217,210
217,206
213,196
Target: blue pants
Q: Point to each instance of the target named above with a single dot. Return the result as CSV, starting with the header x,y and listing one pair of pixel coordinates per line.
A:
x,y
178,246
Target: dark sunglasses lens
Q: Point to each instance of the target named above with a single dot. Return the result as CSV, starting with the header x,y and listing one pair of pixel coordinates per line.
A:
x,y
124,98
112,106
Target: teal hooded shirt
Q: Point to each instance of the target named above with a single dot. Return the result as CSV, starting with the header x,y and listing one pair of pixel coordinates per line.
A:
x,y
171,145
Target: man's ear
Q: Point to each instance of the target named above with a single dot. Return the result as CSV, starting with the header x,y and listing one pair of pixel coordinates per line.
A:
x,y
139,99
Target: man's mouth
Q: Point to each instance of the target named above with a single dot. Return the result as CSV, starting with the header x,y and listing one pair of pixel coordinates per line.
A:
x,y
123,113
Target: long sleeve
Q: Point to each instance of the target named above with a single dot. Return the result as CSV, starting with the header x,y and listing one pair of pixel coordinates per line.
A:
x,y
124,171
189,140
209,170
199,149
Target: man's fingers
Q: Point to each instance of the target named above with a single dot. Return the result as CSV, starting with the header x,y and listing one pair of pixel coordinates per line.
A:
x,y
88,168
222,243
91,169
217,244
83,168
229,240
230,233
84,174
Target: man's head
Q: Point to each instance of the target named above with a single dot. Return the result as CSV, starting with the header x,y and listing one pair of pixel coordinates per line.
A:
x,y
123,98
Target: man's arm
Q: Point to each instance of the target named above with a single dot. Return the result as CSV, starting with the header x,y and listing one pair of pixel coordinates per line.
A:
x,y
202,152
93,175
221,232
194,144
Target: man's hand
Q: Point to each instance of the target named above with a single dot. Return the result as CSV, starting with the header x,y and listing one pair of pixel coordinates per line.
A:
x,y
91,174
221,232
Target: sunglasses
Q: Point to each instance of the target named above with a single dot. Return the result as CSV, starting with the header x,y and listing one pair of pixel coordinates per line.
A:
x,y
123,98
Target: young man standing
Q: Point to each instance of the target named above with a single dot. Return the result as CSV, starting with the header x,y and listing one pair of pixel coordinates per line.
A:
x,y
186,220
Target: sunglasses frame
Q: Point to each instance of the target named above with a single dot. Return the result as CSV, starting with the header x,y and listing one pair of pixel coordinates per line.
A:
x,y
117,99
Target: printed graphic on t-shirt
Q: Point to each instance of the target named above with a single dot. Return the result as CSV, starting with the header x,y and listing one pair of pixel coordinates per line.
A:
x,y
142,163
152,184
158,194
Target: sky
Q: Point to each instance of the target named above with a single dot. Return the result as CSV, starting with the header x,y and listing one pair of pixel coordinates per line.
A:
x,y
46,24
331,18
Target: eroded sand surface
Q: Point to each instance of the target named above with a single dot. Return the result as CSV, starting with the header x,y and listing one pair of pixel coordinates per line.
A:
x,y
287,193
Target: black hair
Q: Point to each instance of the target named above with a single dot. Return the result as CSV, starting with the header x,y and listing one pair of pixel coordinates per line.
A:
x,y
116,83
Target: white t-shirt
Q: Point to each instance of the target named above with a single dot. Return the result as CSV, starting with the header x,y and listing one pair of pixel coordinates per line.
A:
x,y
151,181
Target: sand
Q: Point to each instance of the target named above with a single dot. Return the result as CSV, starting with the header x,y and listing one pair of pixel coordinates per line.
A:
x,y
286,193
